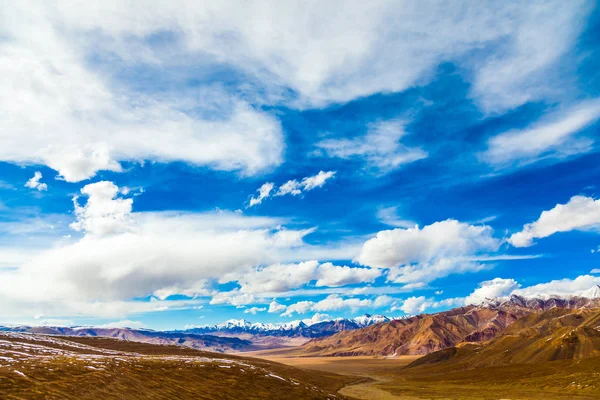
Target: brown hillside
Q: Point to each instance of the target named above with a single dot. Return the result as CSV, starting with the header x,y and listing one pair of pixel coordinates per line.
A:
x,y
418,335
557,334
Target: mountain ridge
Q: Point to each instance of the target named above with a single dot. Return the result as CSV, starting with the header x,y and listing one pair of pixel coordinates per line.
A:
x,y
427,333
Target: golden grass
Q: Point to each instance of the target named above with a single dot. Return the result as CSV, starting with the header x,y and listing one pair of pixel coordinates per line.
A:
x,y
388,379
143,371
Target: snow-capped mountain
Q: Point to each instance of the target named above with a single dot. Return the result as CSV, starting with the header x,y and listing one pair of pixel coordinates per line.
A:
x,y
591,293
301,328
588,298
367,320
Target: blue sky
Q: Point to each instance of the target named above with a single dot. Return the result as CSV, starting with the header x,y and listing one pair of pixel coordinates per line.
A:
x,y
419,157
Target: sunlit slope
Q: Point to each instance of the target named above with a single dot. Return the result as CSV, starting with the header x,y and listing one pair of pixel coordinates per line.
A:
x,y
557,334
45,367
417,335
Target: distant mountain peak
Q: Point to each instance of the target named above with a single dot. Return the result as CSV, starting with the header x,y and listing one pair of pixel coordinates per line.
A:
x,y
591,293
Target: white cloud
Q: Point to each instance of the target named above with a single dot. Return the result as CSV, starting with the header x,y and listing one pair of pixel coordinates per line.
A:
x,y
380,148
278,278
275,307
422,255
34,182
103,213
335,302
332,275
382,301
330,54
415,305
263,192
125,255
560,286
83,122
294,187
316,181
234,297
389,216
290,187
123,324
580,213
595,271
418,305
315,319
254,310
553,137
520,69
301,307
496,287
87,120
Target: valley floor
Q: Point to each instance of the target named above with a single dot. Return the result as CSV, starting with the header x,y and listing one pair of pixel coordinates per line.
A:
x,y
387,379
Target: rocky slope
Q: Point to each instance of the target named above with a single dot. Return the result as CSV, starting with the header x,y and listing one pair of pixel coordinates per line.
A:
x,y
552,335
425,334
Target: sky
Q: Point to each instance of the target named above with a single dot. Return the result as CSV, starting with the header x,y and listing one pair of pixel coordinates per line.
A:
x,y
169,164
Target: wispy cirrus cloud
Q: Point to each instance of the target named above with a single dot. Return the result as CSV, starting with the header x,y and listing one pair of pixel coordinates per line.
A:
x,y
380,148
556,136
87,119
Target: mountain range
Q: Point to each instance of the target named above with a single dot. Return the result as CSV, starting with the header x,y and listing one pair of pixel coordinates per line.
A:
x,y
292,329
427,333
363,335
235,335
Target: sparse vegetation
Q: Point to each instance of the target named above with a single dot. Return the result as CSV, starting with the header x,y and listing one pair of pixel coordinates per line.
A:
x,y
37,367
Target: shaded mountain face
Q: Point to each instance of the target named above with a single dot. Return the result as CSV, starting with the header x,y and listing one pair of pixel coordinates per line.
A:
x,y
425,334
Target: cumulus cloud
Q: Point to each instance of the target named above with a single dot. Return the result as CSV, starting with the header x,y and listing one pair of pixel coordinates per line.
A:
x,y
496,287
595,271
335,302
417,305
125,255
234,297
104,213
34,182
315,319
553,137
263,192
422,255
275,307
279,278
579,213
380,147
332,275
254,310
